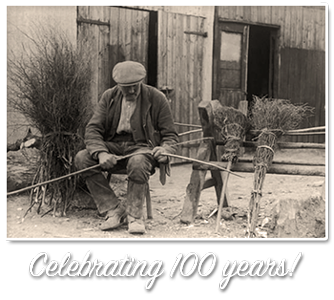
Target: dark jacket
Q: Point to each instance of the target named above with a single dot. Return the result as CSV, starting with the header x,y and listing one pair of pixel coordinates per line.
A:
x,y
151,122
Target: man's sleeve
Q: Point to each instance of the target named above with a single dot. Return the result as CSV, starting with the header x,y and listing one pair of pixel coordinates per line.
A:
x,y
169,136
95,130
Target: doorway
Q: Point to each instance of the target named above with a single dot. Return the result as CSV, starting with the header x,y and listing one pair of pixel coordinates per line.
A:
x,y
260,68
245,62
152,60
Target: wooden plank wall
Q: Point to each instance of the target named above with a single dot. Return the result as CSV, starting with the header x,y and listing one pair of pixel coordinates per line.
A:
x,y
180,66
126,38
301,26
199,11
89,35
231,97
302,54
302,80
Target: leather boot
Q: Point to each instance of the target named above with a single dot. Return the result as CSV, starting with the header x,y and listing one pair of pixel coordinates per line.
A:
x,y
114,218
136,197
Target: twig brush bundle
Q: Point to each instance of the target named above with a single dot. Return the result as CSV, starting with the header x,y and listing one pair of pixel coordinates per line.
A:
x,y
272,118
232,125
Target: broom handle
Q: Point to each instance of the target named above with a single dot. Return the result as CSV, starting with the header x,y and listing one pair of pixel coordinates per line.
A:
x,y
256,206
222,198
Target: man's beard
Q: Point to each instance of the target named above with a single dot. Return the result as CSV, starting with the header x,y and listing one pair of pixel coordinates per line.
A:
x,y
131,97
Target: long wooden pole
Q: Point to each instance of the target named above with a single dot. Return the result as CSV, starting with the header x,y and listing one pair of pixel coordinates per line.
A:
x,y
202,162
307,129
69,175
190,132
118,158
287,145
52,180
187,125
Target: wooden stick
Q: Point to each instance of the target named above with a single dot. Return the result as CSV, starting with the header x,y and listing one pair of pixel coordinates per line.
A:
x,y
275,168
187,125
190,132
202,162
222,198
287,162
52,180
196,141
285,145
294,130
70,175
212,213
305,133
308,129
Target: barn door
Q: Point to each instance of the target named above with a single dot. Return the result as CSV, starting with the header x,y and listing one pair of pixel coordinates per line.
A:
x,y
129,30
112,35
180,59
230,63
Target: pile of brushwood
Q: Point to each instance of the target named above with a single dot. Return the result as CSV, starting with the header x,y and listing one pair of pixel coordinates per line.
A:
x,y
271,118
49,84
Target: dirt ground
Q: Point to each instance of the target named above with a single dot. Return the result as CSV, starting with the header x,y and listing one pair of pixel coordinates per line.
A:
x,y
167,202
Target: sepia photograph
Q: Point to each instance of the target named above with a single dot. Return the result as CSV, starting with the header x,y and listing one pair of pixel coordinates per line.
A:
x,y
167,123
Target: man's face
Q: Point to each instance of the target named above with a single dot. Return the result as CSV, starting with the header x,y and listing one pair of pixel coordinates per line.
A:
x,y
130,92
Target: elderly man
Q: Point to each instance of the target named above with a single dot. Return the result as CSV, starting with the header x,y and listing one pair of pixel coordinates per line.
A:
x,y
131,117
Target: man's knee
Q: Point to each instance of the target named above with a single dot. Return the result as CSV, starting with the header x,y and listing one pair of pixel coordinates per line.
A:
x,y
83,160
139,168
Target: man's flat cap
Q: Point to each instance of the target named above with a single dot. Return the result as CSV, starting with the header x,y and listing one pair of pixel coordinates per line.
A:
x,y
128,73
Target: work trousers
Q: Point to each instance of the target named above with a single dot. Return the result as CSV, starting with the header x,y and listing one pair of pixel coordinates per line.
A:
x,y
139,168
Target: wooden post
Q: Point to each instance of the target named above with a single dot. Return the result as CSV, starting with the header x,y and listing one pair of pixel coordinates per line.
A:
x,y
148,202
205,152
196,184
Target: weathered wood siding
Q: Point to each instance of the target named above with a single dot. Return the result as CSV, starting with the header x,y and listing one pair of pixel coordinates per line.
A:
x,y
301,53
301,26
198,11
122,34
302,80
180,67
184,60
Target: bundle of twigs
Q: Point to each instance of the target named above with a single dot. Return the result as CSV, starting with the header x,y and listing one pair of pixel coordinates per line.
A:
x,y
232,125
271,118
49,84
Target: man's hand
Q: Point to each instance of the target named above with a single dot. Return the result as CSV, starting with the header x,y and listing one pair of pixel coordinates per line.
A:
x,y
107,160
157,154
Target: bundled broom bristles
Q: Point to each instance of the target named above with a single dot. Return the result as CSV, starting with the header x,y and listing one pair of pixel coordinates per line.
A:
x,y
272,118
232,125
49,84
